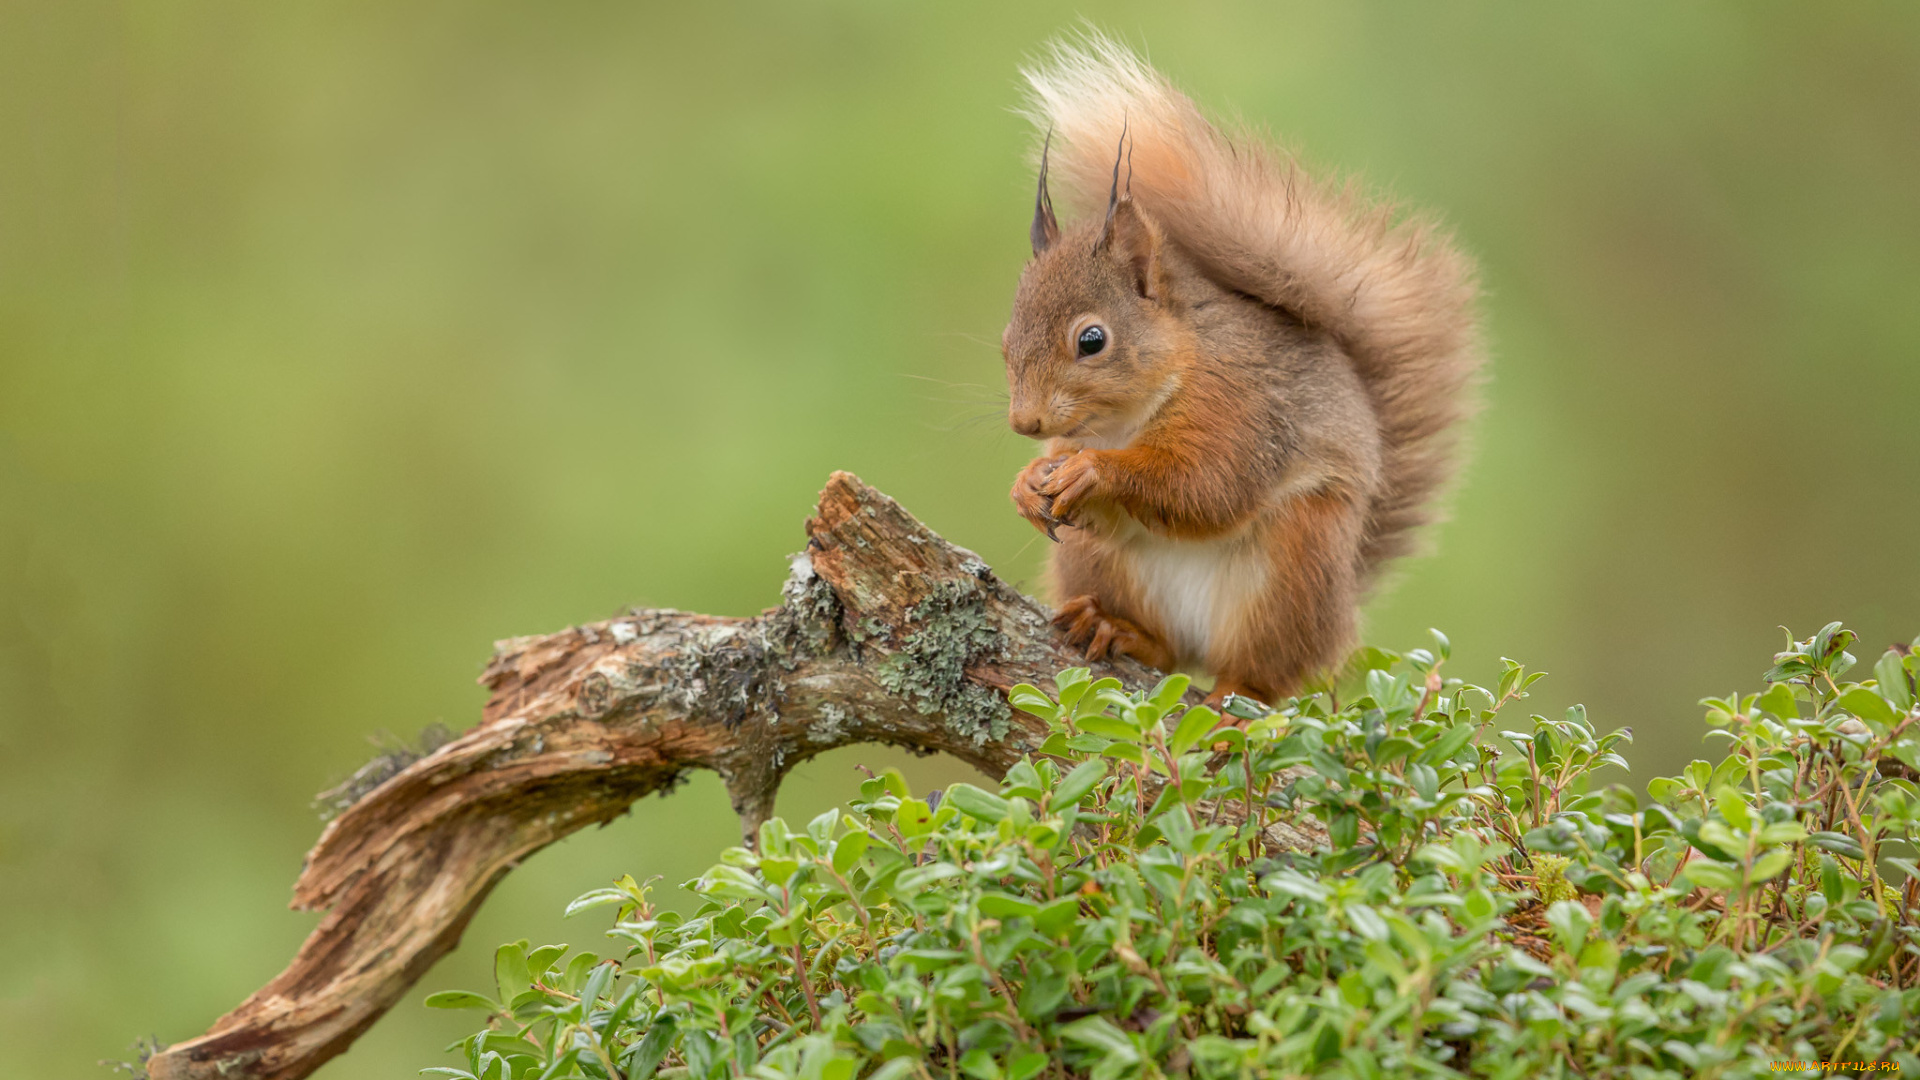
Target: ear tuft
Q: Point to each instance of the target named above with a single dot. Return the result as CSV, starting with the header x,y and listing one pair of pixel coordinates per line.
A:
x,y
1045,229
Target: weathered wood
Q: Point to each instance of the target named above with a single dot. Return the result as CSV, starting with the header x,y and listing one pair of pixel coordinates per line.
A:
x,y
886,633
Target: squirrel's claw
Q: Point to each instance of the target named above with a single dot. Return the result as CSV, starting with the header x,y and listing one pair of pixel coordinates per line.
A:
x,y
1074,480
1032,503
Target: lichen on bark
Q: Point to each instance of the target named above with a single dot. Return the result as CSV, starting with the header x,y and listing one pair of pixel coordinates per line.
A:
x,y
952,632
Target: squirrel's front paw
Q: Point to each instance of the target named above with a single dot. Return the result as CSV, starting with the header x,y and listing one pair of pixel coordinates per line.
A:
x,y
1069,484
1033,505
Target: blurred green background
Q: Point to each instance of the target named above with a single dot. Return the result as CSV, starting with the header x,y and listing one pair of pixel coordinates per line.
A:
x,y
337,341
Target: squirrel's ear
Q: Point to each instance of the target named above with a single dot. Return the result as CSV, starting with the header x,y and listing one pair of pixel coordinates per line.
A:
x,y
1045,229
1135,240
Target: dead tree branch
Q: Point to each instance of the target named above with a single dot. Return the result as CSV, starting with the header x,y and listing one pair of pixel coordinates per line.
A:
x,y
887,633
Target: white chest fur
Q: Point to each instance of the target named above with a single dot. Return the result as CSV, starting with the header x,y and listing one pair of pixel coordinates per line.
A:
x,y
1196,589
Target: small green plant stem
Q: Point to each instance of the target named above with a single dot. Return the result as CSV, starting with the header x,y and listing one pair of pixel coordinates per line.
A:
x,y
1866,840
853,897
1254,819
1173,767
1006,992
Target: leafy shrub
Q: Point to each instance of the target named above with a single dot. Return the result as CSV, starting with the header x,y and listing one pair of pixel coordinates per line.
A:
x,y
1479,904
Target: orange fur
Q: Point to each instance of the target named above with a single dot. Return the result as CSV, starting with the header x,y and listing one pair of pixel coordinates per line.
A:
x,y
1306,619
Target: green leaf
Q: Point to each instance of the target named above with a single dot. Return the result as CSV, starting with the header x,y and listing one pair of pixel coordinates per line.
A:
x,y
1779,701
896,783
1353,988
731,883
914,818
1732,806
651,1050
597,898
921,877
1072,684
1712,875
1169,691
1233,738
542,959
1719,839
598,982
1782,832
1447,745
510,972
1830,885
577,968
1076,784
1027,1066
979,1064
1108,728
1195,725
1367,922
1002,906
1891,675
1838,843
821,827
977,803
1057,916
1425,781
1600,955
1022,780
462,999
1768,866
1028,699
847,851
775,838
1392,749
1099,1033
1867,705
1344,831
1244,707
1097,695
1570,922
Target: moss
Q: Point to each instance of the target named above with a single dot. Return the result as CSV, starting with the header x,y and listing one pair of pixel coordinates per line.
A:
x,y
930,665
395,755
806,623
1550,878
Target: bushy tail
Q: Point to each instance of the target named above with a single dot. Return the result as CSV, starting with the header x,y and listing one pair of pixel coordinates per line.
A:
x,y
1391,289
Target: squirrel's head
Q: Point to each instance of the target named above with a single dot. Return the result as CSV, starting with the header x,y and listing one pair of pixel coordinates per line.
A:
x,y
1093,344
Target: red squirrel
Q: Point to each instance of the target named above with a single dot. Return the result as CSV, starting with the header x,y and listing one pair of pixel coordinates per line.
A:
x,y
1249,382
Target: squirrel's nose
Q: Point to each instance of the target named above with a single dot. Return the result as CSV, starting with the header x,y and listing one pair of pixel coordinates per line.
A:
x,y
1026,423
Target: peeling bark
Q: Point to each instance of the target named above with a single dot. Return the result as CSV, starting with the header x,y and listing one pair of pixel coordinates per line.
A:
x,y
886,633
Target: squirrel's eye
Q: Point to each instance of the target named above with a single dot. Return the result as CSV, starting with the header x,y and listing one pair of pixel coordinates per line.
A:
x,y
1092,340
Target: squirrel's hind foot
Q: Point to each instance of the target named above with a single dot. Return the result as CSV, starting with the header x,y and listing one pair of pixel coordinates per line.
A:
x,y
1100,634
1226,688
